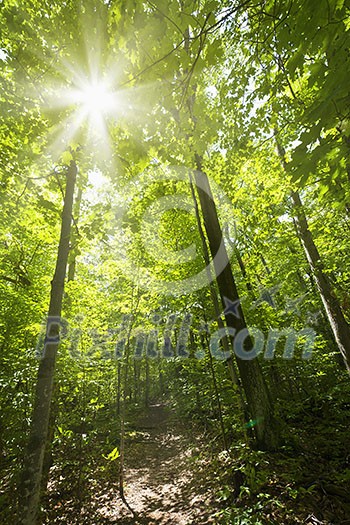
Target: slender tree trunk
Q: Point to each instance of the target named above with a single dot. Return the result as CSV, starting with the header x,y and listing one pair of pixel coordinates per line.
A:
x,y
259,403
124,391
217,393
54,410
160,377
242,267
258,399
147,381
72,262
339,326
225,341
32,472
265,265
119,375
54,404
244,271
337,321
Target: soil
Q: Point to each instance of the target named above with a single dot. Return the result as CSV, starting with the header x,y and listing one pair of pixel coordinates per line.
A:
x,y
164,484
166,480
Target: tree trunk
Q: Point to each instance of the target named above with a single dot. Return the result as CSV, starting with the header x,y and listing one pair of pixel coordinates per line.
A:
x,y
244,271
147,381
339,326
256,391
33,465
337,321
47,462
72,263
225,342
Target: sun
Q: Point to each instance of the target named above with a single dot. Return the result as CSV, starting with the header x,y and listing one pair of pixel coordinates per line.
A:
x,y
96,98
85,99
93,102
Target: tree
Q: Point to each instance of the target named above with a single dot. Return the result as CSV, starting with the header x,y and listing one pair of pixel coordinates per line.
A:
x,y
37,442
259,402
340,327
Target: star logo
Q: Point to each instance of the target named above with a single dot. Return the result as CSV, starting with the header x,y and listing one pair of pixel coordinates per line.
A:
x,y
267,295
232,307
312,318
292,305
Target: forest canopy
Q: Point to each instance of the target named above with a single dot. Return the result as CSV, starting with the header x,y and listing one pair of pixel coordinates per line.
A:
x,y
175,199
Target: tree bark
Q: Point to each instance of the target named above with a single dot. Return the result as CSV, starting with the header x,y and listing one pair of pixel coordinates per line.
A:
x,y
33,465
244,271
337,321
225,342
72,262
258,399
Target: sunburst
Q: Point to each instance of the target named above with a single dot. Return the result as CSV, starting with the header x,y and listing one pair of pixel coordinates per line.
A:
x,y
90,103
84,92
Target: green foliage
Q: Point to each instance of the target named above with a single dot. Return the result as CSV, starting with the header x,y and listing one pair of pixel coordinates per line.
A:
x,y
216,79
112,456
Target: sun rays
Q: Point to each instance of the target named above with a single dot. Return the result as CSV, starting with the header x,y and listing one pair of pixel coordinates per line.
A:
x,y
86,93
86,104
96,98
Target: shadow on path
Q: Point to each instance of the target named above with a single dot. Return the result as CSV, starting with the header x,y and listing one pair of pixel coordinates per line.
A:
x,y
162,484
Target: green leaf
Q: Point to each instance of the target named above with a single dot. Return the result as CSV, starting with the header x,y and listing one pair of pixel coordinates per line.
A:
x,y
112,456
67,157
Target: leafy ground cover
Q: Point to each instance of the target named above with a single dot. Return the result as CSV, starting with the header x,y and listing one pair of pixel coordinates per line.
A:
x,y
177,474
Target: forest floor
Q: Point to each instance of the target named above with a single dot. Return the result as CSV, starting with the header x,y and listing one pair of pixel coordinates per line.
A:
x,y
176,475
165,480
161,486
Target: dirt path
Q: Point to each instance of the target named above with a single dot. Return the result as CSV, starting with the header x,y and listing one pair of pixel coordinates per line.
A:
x,y
163,483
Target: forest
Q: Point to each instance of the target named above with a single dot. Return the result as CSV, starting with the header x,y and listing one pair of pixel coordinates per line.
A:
x,y
174,262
